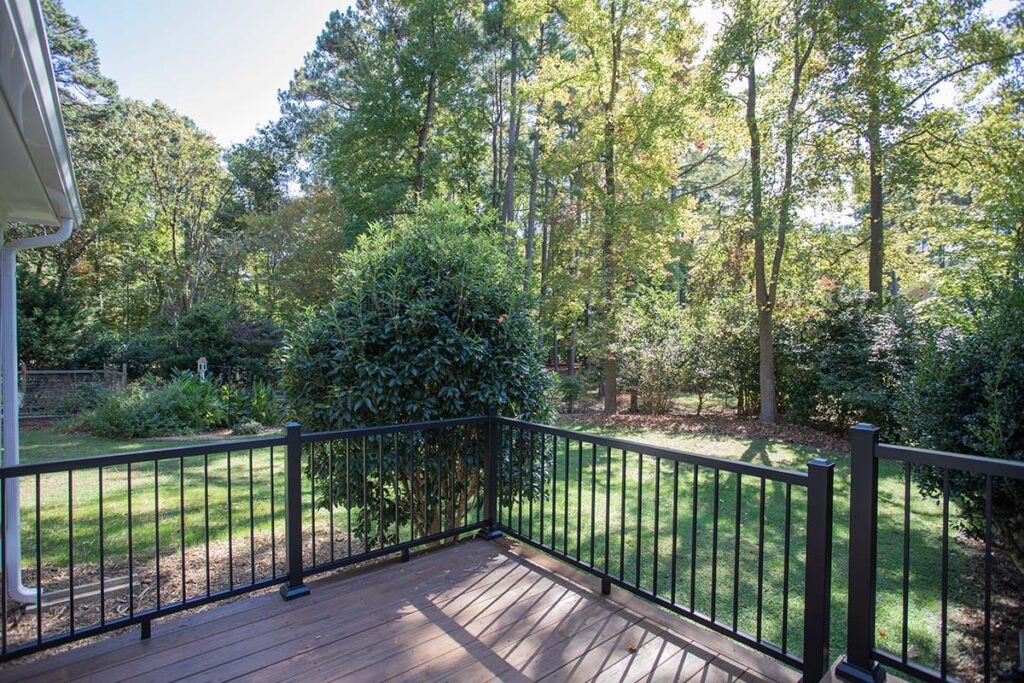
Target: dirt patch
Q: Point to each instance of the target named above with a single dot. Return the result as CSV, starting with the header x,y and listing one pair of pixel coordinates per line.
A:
x,y
967,624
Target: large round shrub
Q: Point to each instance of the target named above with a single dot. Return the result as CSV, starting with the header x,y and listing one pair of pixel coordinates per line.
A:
x,y
429,322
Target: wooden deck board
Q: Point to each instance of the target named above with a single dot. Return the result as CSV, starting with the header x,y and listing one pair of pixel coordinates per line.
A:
x,y
478,611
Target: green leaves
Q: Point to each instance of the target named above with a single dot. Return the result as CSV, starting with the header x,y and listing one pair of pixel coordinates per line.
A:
x,y
428,322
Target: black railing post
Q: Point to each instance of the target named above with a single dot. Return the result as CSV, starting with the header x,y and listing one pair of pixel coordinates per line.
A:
x,y
858,665
491,476
818,583
293,587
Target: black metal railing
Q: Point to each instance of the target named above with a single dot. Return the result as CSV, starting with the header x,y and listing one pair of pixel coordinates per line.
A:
x,y
999,480
697,535
120,540
389,489
114,541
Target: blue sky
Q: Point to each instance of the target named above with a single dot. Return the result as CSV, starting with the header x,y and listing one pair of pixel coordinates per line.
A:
x,y
220,62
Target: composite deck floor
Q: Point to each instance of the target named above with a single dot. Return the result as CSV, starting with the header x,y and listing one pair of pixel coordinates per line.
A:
x,y
473,612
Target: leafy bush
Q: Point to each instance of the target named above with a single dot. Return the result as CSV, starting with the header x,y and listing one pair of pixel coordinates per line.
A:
x,y
569,389
264,406
845,362
732,356
650,351
965,395
227,335
429,322
183,405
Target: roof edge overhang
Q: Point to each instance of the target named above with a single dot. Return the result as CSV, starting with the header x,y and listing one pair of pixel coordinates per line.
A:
x,y
33,109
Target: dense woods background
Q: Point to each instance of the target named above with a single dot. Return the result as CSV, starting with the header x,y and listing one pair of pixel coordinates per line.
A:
x,y
790,207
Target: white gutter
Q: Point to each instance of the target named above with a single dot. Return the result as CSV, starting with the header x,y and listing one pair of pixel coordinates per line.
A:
x,y
9,371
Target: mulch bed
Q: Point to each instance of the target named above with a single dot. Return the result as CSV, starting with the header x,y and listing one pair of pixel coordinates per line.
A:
x,y
967,624
714,423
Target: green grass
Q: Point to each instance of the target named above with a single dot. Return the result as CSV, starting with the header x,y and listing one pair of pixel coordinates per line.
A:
x,y
174,481
925,540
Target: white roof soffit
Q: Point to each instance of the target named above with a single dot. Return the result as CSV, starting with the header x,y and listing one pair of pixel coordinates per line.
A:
x,y
37,183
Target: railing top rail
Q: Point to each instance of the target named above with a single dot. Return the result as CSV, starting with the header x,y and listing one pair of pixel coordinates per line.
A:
x,y
359,432
953,461
738,466
174,452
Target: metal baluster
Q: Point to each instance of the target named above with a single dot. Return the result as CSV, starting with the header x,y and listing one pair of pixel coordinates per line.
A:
x,y
395,480
519,450
412,486
760,559
639,512
554,490
231,531
622,523
565,510
103,580
181,522
736,554
362,508
988,577
330,493
579,498
131,562
693,545
657,520
714,544
71,549
607,510
348,492
273,524
675,525
206,514
593,497
943,659
39,562
785,569
533,446
156,526
312,499
543,481
904,649
252,527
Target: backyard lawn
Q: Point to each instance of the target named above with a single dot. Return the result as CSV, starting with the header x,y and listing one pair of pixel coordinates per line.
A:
x,y
925,541
184,483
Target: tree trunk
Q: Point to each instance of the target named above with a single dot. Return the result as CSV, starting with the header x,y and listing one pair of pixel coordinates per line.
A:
x,y
508,206
875,257
610,217
765,347
531,216
571,360
610,385
424,134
